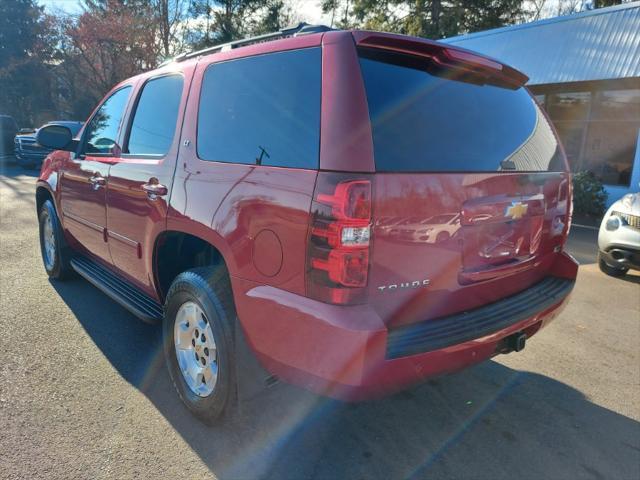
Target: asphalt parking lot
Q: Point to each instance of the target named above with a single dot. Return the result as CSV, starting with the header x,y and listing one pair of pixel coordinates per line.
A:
x,y
84,393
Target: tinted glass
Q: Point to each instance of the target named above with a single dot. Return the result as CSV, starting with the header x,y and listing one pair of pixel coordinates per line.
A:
x,y
423,122
569,106
154,122
571,134
609,151
263,109
102,132
617,105
599,130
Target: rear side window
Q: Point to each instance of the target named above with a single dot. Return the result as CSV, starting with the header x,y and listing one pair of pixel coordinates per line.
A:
x,y
428,122
262,110
154,122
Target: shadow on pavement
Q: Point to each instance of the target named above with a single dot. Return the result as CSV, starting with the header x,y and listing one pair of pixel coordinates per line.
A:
x,y
632,276
486,422
12,178
583,244
12,169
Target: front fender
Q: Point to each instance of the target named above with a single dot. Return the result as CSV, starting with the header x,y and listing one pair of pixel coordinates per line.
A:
x,y
49,179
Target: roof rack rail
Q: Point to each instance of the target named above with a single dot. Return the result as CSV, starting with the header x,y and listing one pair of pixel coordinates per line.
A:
x,y
301,29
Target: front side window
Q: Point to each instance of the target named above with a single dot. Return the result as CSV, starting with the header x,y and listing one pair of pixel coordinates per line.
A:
x,y
154,121
102,131
262,110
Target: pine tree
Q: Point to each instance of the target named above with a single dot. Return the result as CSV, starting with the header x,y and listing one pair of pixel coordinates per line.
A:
x,y
24,50
425,18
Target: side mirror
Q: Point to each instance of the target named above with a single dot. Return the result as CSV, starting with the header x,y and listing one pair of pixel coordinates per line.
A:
x,y
56,137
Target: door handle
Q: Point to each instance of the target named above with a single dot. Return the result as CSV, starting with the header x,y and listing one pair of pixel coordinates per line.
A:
x,y
97,181
154,189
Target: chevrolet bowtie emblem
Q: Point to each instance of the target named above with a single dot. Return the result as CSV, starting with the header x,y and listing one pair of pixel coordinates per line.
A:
x,y
516,210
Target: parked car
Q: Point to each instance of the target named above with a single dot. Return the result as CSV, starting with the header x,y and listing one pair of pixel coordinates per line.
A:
x,y
438,228
27,150
234,195
619,237
8,129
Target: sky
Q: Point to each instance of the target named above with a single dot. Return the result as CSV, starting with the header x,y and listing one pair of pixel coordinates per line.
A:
x,y
305,10
309,11
69,6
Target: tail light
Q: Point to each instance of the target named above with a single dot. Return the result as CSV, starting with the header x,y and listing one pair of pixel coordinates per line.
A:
x,y
339,239
570,200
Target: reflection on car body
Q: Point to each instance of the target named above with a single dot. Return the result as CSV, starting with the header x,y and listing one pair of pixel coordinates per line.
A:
x,y
435,229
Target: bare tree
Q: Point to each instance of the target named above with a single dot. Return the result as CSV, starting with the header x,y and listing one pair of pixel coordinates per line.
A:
x,y
567,7
113,41
537,9
170,17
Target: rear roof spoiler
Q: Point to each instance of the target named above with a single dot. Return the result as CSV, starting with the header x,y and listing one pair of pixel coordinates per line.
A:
x,y
444,55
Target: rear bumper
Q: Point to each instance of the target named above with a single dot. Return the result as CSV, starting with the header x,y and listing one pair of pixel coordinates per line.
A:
x,y
428,336
348,352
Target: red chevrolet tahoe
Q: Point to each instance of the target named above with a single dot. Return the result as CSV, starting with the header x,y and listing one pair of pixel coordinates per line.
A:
x,y
351,212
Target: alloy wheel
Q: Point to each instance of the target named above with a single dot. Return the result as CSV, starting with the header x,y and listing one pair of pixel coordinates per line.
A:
x,y
196,349
49,241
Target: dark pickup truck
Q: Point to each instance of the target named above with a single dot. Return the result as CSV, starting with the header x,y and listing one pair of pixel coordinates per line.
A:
x,y
29,153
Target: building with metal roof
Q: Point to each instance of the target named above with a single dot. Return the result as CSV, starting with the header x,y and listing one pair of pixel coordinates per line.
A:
x,y
585,69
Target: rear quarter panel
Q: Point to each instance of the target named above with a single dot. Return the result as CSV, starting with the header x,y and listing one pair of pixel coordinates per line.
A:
x,y
256,216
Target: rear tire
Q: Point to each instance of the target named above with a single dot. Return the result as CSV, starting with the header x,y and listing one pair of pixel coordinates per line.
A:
x,y
200,303
55,253
609,270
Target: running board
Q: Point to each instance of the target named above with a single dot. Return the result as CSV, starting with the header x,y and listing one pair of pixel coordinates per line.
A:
x,y
121,291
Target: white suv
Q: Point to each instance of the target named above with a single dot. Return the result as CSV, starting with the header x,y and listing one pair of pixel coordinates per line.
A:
x,y
619,236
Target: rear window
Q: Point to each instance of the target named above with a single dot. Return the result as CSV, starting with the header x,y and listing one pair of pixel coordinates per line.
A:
x,y
423,121
262,110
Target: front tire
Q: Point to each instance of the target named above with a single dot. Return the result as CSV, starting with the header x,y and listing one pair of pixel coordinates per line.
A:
x,y
609,270
442,237
55,254
198,341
